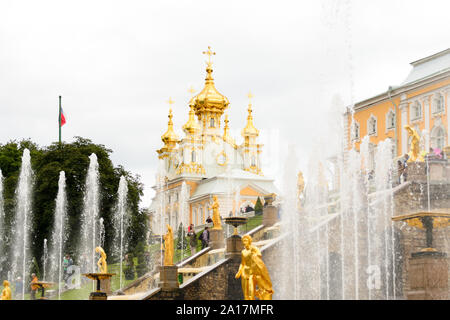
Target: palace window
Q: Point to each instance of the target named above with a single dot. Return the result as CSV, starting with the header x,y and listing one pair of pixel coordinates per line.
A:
x,y
390,120
438,105
372,126
355,131
253,161
416,111
193,156
438,137
212,123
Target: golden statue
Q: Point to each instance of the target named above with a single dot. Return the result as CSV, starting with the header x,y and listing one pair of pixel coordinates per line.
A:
x,y
101,263
6,293
168,247
414,152
253,273
216,214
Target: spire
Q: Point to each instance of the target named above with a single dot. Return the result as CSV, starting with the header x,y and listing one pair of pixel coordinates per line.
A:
x,y
169,137
250,129
192,126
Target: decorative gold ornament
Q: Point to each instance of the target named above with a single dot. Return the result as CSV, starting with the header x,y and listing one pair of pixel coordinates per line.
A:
x,y
222,158
169,137
255,278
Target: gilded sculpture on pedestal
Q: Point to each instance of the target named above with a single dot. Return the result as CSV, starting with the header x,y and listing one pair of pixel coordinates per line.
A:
x,y
216,215
6,292
414,152
254,275
101,263
168,247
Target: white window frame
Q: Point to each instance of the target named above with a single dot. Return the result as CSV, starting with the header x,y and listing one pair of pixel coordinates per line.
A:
x,y
438,98
390,115
372,119
412,114
355,125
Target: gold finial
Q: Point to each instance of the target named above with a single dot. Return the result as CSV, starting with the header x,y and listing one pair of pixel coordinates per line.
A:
x,y
209,53
250,128
191,90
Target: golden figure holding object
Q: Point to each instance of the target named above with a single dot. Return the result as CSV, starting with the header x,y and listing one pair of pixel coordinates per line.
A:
x,y
101,263
254,275
414,152
6,292
216,215
168,247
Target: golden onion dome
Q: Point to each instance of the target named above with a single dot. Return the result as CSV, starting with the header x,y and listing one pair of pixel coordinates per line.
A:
x,y
209,99
169,136
250,129
192,125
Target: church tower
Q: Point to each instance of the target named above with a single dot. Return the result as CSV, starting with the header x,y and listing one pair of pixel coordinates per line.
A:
x,y
250,149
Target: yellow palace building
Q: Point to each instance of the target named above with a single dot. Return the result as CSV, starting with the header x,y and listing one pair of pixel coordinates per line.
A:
x,y
421,101
207,162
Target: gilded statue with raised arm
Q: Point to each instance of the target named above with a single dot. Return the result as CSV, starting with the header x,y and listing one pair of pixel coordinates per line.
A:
x,y
168,247
414,152
101,263
216,215
6,292
253,272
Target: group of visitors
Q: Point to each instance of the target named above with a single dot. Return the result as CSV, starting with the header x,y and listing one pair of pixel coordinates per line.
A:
x,y
204,238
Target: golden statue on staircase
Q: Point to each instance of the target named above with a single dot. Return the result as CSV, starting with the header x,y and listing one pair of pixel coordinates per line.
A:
x,y
254,275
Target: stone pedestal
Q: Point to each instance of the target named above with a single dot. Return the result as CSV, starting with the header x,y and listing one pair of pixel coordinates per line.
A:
x,y
428,276
234,246
216,239
105,286
270,215
168,278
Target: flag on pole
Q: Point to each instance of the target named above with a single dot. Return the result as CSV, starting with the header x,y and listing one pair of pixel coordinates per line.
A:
x,y
63,118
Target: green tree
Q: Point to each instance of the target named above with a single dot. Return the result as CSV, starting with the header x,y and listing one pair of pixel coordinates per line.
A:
x,y
73,159
258,206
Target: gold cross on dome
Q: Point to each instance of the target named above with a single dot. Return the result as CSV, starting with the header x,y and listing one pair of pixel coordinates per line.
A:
x,y
191,90
250,96
209,53
170,101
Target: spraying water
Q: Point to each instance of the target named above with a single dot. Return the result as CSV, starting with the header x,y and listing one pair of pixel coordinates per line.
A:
x,y
2,227
121,222
45,259
23,214
90,236
59,235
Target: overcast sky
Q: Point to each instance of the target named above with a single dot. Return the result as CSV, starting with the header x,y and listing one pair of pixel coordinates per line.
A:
x,y
116,63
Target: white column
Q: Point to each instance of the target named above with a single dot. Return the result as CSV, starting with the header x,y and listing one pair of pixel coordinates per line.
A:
x,y
446,106
426,105
404,121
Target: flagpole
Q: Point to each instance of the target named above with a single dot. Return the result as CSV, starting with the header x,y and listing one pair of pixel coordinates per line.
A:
x,y
59,120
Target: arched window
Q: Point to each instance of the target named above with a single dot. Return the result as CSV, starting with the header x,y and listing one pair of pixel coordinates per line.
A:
x,y
211,123
355,131
253,161
438,103
390,120
372,126
416,111
193,156
438,137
